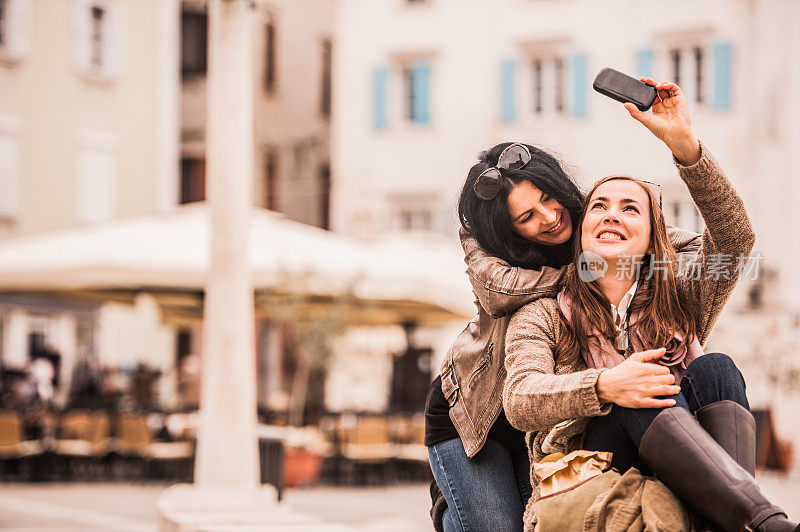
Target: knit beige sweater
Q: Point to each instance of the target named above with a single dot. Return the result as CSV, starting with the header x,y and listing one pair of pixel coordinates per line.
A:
x,y
541,392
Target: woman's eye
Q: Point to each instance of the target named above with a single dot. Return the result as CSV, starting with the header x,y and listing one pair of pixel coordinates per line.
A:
x,y
546,198
526,219
596,205
631,207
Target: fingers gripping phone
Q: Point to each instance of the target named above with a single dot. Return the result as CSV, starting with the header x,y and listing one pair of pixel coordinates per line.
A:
x,y
623,88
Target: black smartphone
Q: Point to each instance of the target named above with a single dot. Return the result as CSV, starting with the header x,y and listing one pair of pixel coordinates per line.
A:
x,y
624,88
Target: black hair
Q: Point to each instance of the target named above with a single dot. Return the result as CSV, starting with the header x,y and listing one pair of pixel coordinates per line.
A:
x,y
490,222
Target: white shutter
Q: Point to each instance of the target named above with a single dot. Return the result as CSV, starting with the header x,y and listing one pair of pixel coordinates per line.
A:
x,y
82,14
95,182
17,27
113,41
9,175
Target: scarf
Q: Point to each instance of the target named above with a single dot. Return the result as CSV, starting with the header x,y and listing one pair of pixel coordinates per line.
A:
x,y
603,354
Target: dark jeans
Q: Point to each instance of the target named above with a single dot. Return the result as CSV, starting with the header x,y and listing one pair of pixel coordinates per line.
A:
x,y
708,379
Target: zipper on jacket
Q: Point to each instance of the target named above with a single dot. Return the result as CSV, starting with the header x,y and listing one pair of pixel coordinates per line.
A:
x,y
485,359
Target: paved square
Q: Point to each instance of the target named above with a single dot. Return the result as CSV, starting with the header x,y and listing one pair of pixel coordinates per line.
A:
x,y
83,507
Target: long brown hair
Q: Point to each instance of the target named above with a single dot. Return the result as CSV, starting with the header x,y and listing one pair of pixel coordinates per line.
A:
x,y
661,312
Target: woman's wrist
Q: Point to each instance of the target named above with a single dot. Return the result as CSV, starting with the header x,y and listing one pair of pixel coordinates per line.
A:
x,y
600,388
687,150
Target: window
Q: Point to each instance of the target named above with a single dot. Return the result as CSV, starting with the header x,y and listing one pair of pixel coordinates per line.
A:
x,y
675,62
269,58
698,74
325,97
413,211
14,29
324,176
3,21
411,80
413,219
684,214
96,37
688,65
194,43
95,184
548,84
271,180
9,174
537,86
408,77
193,179
98,40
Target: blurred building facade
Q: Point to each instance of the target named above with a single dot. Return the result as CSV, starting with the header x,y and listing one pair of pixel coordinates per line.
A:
x,y
368,114
437,81
86,137
102,117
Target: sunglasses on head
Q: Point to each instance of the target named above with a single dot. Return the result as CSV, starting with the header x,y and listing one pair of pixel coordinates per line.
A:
x,y
654,187
513,157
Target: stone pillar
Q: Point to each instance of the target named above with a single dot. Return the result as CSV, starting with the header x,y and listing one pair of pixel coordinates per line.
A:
x,y
227,449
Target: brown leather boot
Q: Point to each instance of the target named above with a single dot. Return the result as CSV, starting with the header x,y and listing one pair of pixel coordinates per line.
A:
x,y
688,460
733,427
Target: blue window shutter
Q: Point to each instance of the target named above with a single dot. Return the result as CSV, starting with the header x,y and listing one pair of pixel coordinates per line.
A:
x,y
579,82
508,111
380,78
420,84
644,62
723,63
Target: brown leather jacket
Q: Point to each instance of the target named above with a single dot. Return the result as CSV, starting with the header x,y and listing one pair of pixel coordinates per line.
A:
x,y
473,372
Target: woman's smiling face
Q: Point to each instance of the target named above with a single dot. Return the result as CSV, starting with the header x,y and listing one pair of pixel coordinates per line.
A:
x,y
537,217
617,220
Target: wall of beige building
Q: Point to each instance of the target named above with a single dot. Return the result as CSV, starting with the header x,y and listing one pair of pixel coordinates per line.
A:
x,y
289,121
60,109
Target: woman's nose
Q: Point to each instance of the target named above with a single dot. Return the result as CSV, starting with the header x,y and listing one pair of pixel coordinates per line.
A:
x,y
549,216
611,217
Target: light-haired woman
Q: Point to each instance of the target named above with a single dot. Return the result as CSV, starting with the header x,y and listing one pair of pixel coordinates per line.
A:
x,y
615,362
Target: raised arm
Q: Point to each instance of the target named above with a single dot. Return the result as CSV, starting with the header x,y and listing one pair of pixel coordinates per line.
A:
x,y
534,397
729,235
502,288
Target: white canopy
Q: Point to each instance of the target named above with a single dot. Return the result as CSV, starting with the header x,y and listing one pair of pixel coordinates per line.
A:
x,y
171,252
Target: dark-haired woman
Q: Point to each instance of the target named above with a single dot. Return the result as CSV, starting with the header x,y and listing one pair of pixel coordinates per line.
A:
x,y
517,209
615,362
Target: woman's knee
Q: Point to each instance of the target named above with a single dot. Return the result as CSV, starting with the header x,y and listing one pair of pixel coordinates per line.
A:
x,y
716,366
714,377
716,361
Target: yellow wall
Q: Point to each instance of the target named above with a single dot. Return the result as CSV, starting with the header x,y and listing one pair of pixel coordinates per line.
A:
x,y
53,103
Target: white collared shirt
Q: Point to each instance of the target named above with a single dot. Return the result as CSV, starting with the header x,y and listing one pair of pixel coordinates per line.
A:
x,y
620,315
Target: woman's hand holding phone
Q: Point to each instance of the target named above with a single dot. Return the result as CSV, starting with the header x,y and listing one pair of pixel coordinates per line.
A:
x,y
670,121
636,383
